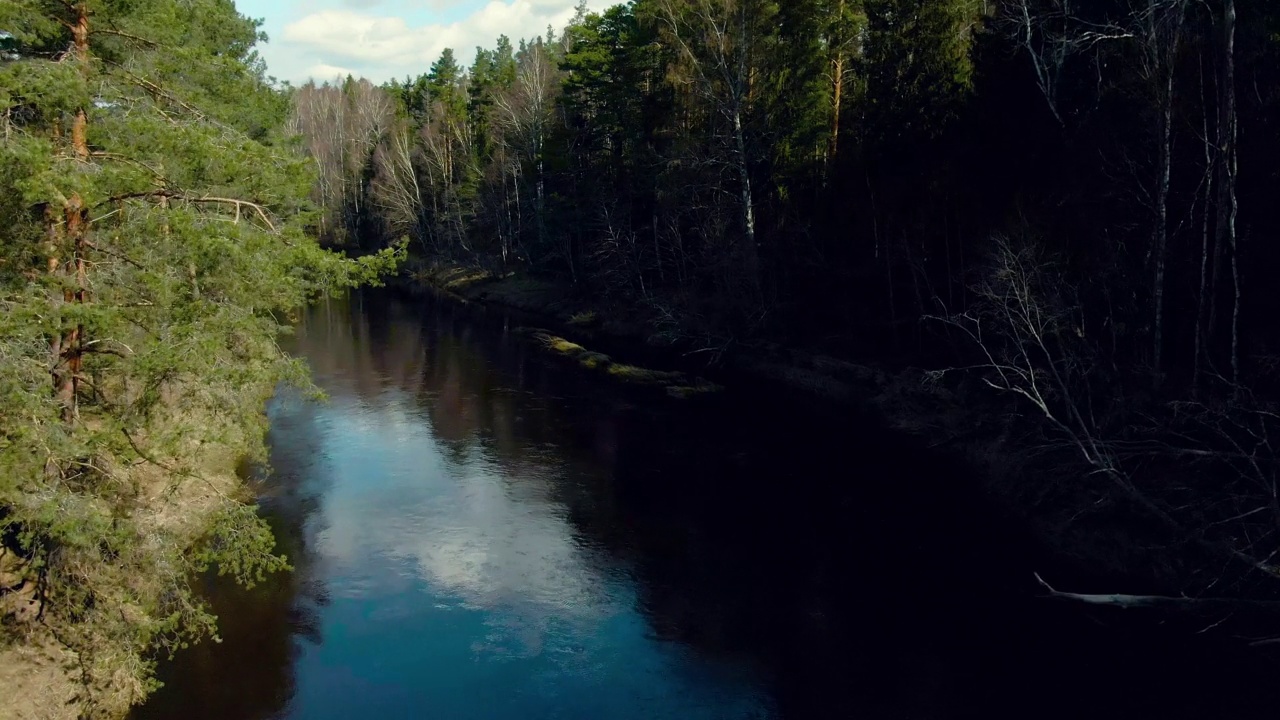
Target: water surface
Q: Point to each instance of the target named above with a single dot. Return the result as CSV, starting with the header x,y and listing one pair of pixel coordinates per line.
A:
x,y
480,532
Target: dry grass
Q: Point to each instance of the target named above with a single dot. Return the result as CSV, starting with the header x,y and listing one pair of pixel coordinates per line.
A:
x,y
587,318
567,348
560,346
460,280
40,681
170,502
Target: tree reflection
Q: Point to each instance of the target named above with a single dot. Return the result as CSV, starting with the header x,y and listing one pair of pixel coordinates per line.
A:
x,y
249,675
845,566
686,500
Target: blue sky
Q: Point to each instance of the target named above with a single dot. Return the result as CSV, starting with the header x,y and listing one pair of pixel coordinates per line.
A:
x,y
381,39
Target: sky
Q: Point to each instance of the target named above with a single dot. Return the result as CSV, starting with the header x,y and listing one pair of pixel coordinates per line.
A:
x,y
382,39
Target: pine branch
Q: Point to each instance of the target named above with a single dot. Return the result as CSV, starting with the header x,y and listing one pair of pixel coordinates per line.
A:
x,y
159,92
205,199
125,35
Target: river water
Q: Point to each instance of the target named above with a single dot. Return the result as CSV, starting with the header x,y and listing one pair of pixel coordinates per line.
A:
x,y
481,532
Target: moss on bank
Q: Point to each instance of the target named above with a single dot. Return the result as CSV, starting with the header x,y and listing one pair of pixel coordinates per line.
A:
x,y
677,384
644,376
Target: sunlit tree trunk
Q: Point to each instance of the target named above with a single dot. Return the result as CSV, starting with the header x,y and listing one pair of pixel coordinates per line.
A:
x,y
836,41
68,349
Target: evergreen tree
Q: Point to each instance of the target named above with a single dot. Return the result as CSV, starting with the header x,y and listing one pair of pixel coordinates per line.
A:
x,y
445,84
504,62
917,65
480,87
155,241
612,114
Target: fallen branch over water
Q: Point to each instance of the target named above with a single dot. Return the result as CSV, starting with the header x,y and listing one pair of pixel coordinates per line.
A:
x,y
1116,599
1183,602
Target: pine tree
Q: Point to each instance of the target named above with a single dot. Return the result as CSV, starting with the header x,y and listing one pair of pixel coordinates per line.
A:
x,y
155,241
480,85
917,64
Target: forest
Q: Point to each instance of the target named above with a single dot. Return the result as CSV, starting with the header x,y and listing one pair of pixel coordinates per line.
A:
x,y
1058,209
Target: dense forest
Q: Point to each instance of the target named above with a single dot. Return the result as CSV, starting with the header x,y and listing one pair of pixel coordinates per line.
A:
x,y
1061,209
153,244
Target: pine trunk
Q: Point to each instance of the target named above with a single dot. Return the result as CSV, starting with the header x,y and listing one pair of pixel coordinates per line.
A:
x,y
837,90
67,349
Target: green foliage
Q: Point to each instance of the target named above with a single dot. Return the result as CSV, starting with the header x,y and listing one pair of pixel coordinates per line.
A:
x,y
136,354
917,65
444,86
504,62
239,543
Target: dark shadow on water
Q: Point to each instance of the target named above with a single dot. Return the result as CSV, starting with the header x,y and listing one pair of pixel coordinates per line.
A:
x,y
769,547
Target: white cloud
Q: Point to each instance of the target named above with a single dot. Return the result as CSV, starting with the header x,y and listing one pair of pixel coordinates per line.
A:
x,y
332,42
325,71
468,533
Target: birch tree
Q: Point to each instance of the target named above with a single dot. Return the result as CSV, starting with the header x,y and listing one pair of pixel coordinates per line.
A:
x,y
716,40
524,112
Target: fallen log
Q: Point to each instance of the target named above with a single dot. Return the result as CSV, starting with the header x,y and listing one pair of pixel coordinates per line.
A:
x,y
1124,600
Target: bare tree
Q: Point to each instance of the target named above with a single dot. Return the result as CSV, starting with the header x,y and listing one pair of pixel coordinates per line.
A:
x,y
369,113
446,146
396,187
1161,25
1027,330
319,117
1205,245
715,39
1018,323
1053,34
342,126
1228,206
524,114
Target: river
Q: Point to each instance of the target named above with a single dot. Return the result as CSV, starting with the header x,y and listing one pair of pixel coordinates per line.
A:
x,y
480,531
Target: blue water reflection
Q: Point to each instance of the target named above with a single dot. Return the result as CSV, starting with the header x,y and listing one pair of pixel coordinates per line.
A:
x,y
456,587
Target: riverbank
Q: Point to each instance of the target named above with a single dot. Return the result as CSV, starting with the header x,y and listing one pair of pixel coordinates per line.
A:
x,y
137,603
587,322
906,399
1091,539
